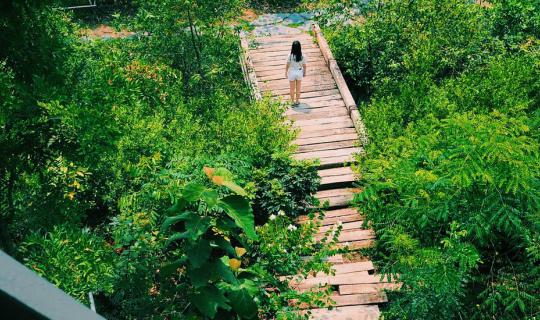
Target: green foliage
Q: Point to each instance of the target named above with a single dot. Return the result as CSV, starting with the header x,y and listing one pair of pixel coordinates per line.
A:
x,y
451,177
212,272
416,40
67,251
517,21
291,252
475,176
286,185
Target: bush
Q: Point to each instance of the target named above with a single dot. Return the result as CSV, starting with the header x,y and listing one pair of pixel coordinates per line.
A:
x,y
451,175
287,186
474,175
428,39
76,260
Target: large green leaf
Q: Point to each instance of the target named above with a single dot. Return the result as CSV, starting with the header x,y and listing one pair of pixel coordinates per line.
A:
x,y
228,181
210,197
193,191
242,302
197,226
238,208
208,300
199,253
173,220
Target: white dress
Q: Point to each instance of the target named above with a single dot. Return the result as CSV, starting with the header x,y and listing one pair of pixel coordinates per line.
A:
x,y
296,68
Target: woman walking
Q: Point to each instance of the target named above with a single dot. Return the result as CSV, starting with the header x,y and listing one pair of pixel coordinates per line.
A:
x,y
295,71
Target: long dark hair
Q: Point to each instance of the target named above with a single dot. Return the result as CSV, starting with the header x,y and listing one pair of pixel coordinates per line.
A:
x,y
296,51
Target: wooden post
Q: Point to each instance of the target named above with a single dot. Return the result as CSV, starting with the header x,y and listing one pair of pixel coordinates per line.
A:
x,y
248,69
341,84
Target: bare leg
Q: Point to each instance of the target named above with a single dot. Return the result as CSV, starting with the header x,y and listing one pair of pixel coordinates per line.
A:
x,y
298,90
291,84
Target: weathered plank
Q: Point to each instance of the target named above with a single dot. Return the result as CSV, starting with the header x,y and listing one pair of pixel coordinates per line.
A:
x,y
335,172
326,146
345,179
327,153
359,299
359,312
312,122
339,279
324,132
296,114
366,287
351,235
312,65
308,88
332,162
345,225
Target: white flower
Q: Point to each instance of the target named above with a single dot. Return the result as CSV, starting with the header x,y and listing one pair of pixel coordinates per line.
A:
x,y
281,213
291,228
347,243
339,223
272,217
284,251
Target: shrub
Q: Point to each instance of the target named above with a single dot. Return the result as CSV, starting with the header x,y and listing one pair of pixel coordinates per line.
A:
x,y
475,176
76,260
286,185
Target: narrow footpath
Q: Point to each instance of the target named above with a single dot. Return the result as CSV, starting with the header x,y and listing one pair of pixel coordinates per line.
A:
x,y
330,130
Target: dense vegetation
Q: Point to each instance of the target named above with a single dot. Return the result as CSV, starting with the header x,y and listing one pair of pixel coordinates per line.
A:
x,y
452,173
133,168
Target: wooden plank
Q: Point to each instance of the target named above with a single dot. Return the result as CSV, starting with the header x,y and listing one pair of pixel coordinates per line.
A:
x,y
349,267
351,235
353,267
322,103
320,94
285,84
333,213
357,245
359,312
325,133
335,172
326,126
366,287
327,153
345,226
311,122
336,192
332,162
281,47
279,74
281,61
339,180
282,56
339,279
319,76
305,89
359,299
337,201
295,114
312,99
318,65
343,219
280,71
280,51
327,146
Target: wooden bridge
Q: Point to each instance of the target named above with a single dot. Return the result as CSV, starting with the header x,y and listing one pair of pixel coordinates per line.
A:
x,y
331,130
